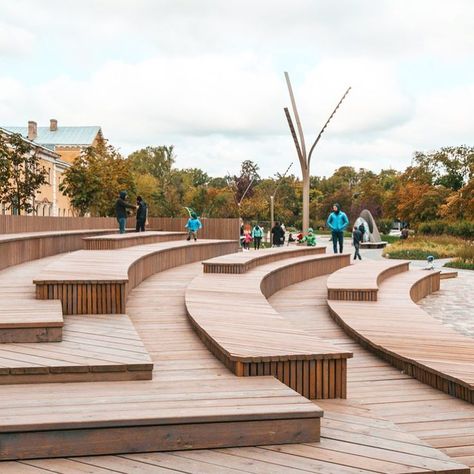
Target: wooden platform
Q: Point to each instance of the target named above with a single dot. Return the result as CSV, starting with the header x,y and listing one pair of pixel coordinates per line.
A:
x,y
356,436
97,348
360,282
118,241
192,402
373,245
244,261
22,317
98,281
232,316
399,331
27,246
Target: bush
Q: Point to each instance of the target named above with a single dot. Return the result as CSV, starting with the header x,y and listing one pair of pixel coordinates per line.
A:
x,y
464,229
420,247
384,225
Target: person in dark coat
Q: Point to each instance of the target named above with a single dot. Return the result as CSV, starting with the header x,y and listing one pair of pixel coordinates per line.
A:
x,y
278,235
357,237
142,211
121,206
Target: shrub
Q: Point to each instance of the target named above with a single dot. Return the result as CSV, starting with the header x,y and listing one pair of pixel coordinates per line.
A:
x,y
420,247
384,225
464,229
460,264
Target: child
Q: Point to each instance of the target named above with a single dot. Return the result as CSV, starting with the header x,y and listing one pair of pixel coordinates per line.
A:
x,y
310,238
193,225
247,240
357,237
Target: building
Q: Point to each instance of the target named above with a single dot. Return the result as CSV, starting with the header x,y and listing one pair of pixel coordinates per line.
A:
x,y
58,147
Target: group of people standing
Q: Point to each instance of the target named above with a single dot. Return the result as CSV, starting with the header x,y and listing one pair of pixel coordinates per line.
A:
x,y
121,206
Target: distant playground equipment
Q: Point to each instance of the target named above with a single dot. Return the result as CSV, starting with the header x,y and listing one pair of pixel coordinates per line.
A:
x,y
371,238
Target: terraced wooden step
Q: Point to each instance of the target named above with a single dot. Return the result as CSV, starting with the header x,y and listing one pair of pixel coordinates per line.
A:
x,y
118,241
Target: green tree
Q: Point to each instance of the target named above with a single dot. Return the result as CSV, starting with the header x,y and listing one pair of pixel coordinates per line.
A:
x,y
95,179
21,173
157,161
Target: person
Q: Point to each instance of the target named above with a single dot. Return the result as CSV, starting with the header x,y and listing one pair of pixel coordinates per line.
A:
x,y
337,222
357,237
121,206
299,238
291,239
193,225
404,233
257,234
310,238
142,211
362,230
277,235
247,240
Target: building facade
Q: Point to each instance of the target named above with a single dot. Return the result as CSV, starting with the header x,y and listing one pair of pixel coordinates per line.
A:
x,y
57,148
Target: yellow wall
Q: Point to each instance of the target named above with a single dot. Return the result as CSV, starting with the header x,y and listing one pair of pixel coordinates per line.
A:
x,y
68,154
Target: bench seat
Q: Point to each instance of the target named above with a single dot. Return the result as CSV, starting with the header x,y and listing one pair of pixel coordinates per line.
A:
x,y
401,332
232,316
98,281
118,241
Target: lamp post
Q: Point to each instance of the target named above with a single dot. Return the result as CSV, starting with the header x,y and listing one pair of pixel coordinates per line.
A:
x,y
305,159
272,197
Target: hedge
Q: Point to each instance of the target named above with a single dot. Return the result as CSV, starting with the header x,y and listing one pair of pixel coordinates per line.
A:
x,y
464,229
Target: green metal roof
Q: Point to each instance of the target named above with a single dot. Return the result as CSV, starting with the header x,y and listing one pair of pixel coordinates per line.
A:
x,y
61,136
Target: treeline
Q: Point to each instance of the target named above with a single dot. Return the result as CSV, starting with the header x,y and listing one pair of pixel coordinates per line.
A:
x,y
437,185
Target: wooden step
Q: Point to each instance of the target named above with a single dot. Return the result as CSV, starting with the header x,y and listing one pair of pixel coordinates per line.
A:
x,y
118,241
360,281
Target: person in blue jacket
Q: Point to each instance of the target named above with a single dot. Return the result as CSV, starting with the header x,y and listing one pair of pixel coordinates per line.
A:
x,y
193,225
337,222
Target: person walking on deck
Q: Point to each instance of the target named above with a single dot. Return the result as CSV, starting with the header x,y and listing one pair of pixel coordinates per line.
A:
x,y
278,235
142,211
257,234
121,206
357,237
193,225
337,222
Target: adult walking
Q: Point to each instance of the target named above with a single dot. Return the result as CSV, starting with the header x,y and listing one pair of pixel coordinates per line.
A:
x,y
142,211
277,235
257,234
337,222
121,206
357,237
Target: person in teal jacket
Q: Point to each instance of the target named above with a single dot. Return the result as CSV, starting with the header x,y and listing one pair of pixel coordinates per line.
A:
x,y
193,225
257,234
337,222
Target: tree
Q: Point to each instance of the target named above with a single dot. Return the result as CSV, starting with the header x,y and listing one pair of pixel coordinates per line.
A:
x,y
95,179
21,173
157,161
244,182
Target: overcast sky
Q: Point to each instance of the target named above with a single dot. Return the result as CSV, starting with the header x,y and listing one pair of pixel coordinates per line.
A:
x,y
207,76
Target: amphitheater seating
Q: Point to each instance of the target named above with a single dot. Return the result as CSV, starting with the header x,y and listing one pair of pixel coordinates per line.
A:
x,y
361,282
245,261
98,281
234,319
399,331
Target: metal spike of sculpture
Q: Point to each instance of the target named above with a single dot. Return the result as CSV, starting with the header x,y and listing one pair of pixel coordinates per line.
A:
x,y
305,159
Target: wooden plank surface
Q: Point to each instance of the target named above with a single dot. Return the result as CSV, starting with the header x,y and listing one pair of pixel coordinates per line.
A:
x,y
116,241
186,369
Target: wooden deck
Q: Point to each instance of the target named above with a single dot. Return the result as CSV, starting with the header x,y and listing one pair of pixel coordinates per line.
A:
x,y
242,262
402,333
98,281
356,437
193,401
252,339
119,241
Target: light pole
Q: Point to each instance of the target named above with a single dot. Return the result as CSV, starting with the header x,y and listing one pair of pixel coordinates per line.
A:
x,y
272,197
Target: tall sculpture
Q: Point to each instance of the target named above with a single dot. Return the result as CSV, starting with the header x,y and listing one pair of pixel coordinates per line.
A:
x,y
303,157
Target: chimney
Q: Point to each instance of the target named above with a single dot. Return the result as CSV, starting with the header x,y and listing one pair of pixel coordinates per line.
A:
x,y
32,130
53,125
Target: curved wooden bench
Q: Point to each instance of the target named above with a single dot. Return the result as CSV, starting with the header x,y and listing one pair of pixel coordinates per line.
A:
x,y
24,247
244,261
98,281
399,331
232,316
360,281
119,241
